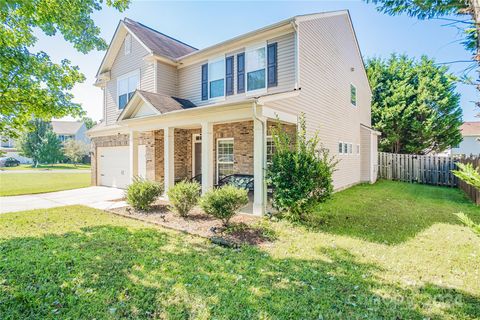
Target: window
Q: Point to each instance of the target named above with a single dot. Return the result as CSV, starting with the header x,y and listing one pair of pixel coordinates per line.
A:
x,y
358,149
256,65
126,86
350,147
353,95
128,44
340,147
270,150
64,137
224,157
216,74
345,148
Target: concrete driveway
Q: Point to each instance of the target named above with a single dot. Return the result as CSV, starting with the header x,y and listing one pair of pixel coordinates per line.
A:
x,y
95,197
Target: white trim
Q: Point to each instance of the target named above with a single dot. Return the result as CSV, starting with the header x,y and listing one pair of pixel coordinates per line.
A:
x,y
216,154
212,61
251,48
123,77
194,141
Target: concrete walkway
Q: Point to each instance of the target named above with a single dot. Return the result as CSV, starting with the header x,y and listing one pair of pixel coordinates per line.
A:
x,y
46,171
95,197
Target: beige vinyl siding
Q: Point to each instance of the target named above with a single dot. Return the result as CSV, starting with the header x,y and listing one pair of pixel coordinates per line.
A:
x,y
189,77
365,152
167,79
327,52
124,64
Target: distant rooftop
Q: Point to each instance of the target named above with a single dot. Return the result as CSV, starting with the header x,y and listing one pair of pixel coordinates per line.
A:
x,y
471,128
66,127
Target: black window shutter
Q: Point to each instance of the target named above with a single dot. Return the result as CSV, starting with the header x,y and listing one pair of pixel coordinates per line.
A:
x,y
241,73
272,63
205,81
229,75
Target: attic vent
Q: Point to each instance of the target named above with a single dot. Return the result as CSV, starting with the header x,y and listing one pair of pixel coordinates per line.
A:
x,y
128,44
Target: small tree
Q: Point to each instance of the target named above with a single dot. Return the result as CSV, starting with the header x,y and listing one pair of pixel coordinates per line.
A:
x,y
471,176
183,196
300,172
40,143
223,203
75,150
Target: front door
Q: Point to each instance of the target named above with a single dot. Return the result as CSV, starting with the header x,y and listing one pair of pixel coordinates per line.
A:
x,y
197,154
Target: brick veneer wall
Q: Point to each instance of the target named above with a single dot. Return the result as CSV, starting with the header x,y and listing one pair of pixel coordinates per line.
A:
x,y
241,132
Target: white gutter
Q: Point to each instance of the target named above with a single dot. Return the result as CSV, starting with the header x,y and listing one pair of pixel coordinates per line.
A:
x,y
296,49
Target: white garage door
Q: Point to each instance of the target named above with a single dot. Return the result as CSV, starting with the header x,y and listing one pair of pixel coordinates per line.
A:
x,y
114,169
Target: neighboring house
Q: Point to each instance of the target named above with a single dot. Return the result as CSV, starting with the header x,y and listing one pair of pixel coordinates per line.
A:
x,y
471,139
70,130
65,130
7,145
172,112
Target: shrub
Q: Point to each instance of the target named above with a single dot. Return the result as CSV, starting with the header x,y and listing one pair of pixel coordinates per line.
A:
x,y
142,193
184,196
300,173
223,203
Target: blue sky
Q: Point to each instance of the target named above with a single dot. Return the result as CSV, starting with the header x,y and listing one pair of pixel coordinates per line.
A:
x,y
201,24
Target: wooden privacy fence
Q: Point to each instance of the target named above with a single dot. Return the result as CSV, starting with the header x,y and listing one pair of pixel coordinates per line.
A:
x,y
434,170
471,192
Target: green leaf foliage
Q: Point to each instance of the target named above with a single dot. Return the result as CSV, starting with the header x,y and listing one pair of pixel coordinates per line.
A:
x,y
183,196
141,193
468,174
40,143
414,105
75,150
300,173
31,85
223,203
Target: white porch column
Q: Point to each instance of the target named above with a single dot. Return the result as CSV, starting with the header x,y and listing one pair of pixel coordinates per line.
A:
x,y
259,161
169,158
133,153
207,156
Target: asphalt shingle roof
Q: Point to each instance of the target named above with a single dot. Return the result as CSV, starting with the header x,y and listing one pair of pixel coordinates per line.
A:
x,y
66,127
165,103
158,42
470,128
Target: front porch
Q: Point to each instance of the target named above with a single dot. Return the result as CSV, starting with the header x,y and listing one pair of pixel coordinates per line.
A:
x,y
206,152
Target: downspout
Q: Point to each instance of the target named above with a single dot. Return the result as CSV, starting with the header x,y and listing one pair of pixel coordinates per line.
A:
x,y
264,159
297,62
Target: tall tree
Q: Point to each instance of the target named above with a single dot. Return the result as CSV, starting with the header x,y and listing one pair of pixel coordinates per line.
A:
x,y
414,105
40,143
443,9
31,85
89,122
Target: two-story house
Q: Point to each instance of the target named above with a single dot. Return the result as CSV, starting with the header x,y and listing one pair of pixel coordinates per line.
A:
x,y
173,112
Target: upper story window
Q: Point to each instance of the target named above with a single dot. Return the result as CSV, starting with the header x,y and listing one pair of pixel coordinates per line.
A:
x,y
216,78
126,86
256,64
353,95
128,44
65,137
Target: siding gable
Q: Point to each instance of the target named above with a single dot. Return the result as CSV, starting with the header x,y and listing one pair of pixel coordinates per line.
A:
x,y
124,64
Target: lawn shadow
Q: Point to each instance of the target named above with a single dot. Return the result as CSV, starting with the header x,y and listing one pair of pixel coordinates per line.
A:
x,y
390,212
116,272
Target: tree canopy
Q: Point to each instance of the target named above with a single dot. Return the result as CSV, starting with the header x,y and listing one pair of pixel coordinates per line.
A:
x,y
31,85
414,105
40,143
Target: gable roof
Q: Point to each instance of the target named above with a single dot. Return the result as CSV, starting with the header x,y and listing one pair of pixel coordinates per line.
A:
x,y
66,127
471,128
162,103
157,42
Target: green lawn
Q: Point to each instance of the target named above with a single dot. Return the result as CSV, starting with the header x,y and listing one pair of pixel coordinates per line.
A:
x,y
42,167
29,183
76,262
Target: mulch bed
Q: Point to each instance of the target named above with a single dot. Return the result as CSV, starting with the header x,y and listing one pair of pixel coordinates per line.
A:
x,y
243,229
